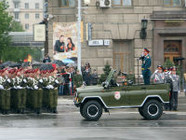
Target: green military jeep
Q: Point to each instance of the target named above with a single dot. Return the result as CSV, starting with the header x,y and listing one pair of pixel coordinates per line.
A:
x,y
149,99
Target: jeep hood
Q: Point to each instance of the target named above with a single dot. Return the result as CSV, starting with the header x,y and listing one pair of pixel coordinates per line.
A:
x,y
86,89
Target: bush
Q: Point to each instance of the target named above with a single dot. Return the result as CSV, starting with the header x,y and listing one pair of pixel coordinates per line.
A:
x,y
106,70
168,64
18,54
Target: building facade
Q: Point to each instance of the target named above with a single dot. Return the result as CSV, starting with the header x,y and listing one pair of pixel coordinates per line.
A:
x,y
26,12
120,25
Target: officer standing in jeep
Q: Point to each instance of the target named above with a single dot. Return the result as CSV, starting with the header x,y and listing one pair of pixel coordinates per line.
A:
x,y
146,64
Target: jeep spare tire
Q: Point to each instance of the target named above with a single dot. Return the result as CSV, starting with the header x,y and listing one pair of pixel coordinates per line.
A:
x,y
152,110
92,110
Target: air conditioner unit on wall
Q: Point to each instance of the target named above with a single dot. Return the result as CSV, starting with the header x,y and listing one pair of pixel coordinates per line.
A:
x,y
105,3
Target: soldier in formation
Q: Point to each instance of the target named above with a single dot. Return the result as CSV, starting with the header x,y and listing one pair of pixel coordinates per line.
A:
x,y
175,89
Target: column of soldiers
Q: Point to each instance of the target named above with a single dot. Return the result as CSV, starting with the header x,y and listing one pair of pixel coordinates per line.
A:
x,y
162,75
19,78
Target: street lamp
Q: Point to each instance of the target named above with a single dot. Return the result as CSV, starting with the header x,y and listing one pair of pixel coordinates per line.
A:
x,y
79,35
86,2
144,23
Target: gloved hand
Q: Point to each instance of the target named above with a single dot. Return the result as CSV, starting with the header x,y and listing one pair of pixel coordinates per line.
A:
x,y
156,71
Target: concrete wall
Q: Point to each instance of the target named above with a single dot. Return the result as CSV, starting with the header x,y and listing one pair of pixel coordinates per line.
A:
x,y
115,23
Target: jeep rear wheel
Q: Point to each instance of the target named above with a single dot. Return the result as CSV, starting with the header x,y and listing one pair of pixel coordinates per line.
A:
x,y
152,110
92,111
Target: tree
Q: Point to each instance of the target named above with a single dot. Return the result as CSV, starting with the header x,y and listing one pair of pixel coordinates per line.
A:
x,y
106,70
16,26
168,64
5,28
11,54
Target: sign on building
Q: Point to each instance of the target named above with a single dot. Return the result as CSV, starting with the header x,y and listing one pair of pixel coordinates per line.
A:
x,y
99,42
39,32
95,43
107,42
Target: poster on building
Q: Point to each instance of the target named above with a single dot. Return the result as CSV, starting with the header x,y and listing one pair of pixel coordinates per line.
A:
x,y
39,32
65,42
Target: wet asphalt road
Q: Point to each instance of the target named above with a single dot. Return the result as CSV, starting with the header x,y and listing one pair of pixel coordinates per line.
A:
x,y
69,125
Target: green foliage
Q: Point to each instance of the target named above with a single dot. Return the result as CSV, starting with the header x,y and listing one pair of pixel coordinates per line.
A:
x,y
5,27
106,70
18,54
16,26
168,64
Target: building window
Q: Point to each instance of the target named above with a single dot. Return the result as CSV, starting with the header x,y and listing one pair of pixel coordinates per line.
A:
x,y
67,3
26,5
26,26
36,5
16,15
16,5
172,2
122,2
27,16
37,16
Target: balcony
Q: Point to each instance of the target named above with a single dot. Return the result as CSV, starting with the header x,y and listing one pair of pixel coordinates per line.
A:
x,y
16,0
16,10
17,20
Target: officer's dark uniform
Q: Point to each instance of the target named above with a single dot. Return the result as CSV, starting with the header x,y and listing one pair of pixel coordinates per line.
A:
x,y
146,64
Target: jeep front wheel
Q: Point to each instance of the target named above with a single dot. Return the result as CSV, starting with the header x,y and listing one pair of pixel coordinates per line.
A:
x,y
140,109
152,110
92,111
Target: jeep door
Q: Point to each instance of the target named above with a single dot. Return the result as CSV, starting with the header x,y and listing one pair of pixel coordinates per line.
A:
x,y
117,97
136,94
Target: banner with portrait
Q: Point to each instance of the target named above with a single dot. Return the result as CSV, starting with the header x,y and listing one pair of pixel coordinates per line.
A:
x,y
65,41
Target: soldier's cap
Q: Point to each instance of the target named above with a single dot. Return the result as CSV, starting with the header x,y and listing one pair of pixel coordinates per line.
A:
x,y
26,71
50,71
170,69
36,70
145,49
166,69
31,71
160,67
12,71
21,69
43,72
3,70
